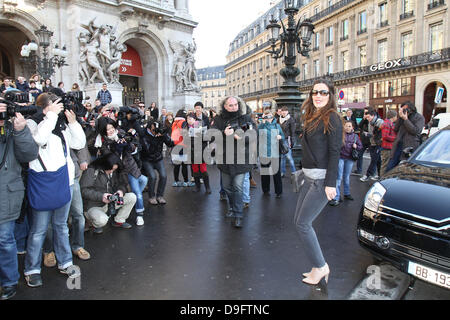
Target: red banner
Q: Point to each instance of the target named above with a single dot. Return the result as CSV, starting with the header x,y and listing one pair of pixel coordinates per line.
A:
x,y
131,63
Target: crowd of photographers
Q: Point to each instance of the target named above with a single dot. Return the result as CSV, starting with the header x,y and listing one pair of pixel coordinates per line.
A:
x,y
90,165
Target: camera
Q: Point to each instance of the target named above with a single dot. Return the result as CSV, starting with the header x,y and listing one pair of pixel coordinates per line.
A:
x,y
235,125
114,199
12,98
159,129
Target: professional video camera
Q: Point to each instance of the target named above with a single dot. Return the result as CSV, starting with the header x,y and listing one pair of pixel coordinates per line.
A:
x,y
114,199
12,98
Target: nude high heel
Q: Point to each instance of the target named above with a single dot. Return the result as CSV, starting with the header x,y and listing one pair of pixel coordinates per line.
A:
x,y
317,274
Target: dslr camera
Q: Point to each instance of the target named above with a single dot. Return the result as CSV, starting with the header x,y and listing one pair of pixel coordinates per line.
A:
x,y
114,199
12,98
235,125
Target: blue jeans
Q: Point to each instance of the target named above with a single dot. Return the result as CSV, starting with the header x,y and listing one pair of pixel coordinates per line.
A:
x,y
344,171
246,187
150,169
359,162
78,221
9,268
36,238
395,160
234,188
289,157
21,233
137,186
222,190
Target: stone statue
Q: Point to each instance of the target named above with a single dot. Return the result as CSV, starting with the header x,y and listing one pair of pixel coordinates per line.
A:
x,y
100,54
184,66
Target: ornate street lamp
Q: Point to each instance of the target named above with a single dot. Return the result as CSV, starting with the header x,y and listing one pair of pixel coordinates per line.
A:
x,y
44,65
295,39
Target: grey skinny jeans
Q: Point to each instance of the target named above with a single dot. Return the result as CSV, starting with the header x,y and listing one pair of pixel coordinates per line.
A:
x,y
311,201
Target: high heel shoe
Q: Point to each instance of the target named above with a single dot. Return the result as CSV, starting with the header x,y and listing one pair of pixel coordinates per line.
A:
x,y
317,274
306,274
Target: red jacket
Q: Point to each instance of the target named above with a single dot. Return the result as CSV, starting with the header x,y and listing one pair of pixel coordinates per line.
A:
x,y
387,134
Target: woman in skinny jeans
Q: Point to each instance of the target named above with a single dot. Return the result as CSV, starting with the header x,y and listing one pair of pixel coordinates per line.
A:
x,y
321,142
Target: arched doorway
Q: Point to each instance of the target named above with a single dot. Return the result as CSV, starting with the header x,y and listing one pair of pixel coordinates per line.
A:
x,y
11,41
153,57
428,100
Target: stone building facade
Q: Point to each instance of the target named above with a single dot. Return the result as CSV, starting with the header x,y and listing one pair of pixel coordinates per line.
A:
x,y
213,85
378,52
156,33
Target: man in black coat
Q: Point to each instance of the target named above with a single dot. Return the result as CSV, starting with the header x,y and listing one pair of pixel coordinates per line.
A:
x,y
234,115
287,123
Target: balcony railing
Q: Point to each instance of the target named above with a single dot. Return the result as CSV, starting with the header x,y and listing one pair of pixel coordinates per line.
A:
x,y
260,92
407,15
332,9
383,24
423,59
435,4
329,43
361,31
344,38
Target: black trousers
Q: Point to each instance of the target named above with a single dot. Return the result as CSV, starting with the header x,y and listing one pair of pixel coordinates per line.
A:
x,y
265,178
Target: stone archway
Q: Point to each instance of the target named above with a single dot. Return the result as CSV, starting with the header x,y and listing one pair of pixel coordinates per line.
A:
x,y
15,30
155,63
429,94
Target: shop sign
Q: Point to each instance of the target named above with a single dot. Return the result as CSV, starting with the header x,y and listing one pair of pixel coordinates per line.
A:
x,y
386,65
131,64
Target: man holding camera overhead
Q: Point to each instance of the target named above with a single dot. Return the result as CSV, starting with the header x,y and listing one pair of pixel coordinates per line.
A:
x,y
104,191
16,145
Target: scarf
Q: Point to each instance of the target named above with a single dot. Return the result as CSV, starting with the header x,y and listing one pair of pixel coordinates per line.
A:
x,y
283,120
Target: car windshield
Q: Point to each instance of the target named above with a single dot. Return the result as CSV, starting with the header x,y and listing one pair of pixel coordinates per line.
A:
x,y
437,150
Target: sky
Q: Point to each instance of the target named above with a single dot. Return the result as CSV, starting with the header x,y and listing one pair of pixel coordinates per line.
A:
x,y
219,22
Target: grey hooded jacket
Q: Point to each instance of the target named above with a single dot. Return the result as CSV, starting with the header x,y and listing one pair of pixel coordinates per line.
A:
x,y
22,148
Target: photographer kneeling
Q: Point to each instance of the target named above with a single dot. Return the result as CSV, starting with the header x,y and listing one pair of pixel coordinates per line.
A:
x,y
103,189
124,145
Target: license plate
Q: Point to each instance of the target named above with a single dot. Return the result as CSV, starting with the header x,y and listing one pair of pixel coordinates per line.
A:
x,y
430,275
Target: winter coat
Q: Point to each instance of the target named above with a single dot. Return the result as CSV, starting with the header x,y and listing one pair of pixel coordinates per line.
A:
x,y
408,132
388,134
124,152
288,127
322,150
242,118
267,127
350,140
152,146
21,148
95,183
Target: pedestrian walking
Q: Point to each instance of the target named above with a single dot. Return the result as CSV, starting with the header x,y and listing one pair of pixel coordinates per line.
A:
x,y
321,142
374,136
388,136
350,142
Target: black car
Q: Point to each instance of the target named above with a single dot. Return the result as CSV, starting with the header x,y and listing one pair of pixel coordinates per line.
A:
x,y
405,218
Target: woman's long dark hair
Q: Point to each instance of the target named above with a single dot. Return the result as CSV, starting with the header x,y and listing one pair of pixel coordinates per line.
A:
x,y
311,117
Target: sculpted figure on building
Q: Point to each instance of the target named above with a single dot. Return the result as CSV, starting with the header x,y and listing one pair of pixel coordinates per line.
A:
x,y
184,66
100,54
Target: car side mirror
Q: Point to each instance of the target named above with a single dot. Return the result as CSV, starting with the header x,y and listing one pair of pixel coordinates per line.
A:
x,y
407,152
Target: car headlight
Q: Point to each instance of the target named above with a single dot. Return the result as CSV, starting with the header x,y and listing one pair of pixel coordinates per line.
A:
x,y
374,197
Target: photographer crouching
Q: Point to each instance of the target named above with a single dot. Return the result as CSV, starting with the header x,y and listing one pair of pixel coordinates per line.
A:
x,y
16,145
104,191
124,145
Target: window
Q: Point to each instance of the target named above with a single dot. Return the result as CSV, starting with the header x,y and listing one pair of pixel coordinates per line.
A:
x,y
268,82
316,10
345,60
330,36
382,50
330,3
362,22
305,71
316,41
330,64
267,62
436,37
407,44
275,80
407,6
362,50
316,68
382,14
344,30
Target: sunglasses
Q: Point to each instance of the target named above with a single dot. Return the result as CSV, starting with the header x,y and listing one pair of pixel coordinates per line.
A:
x,y
323,93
